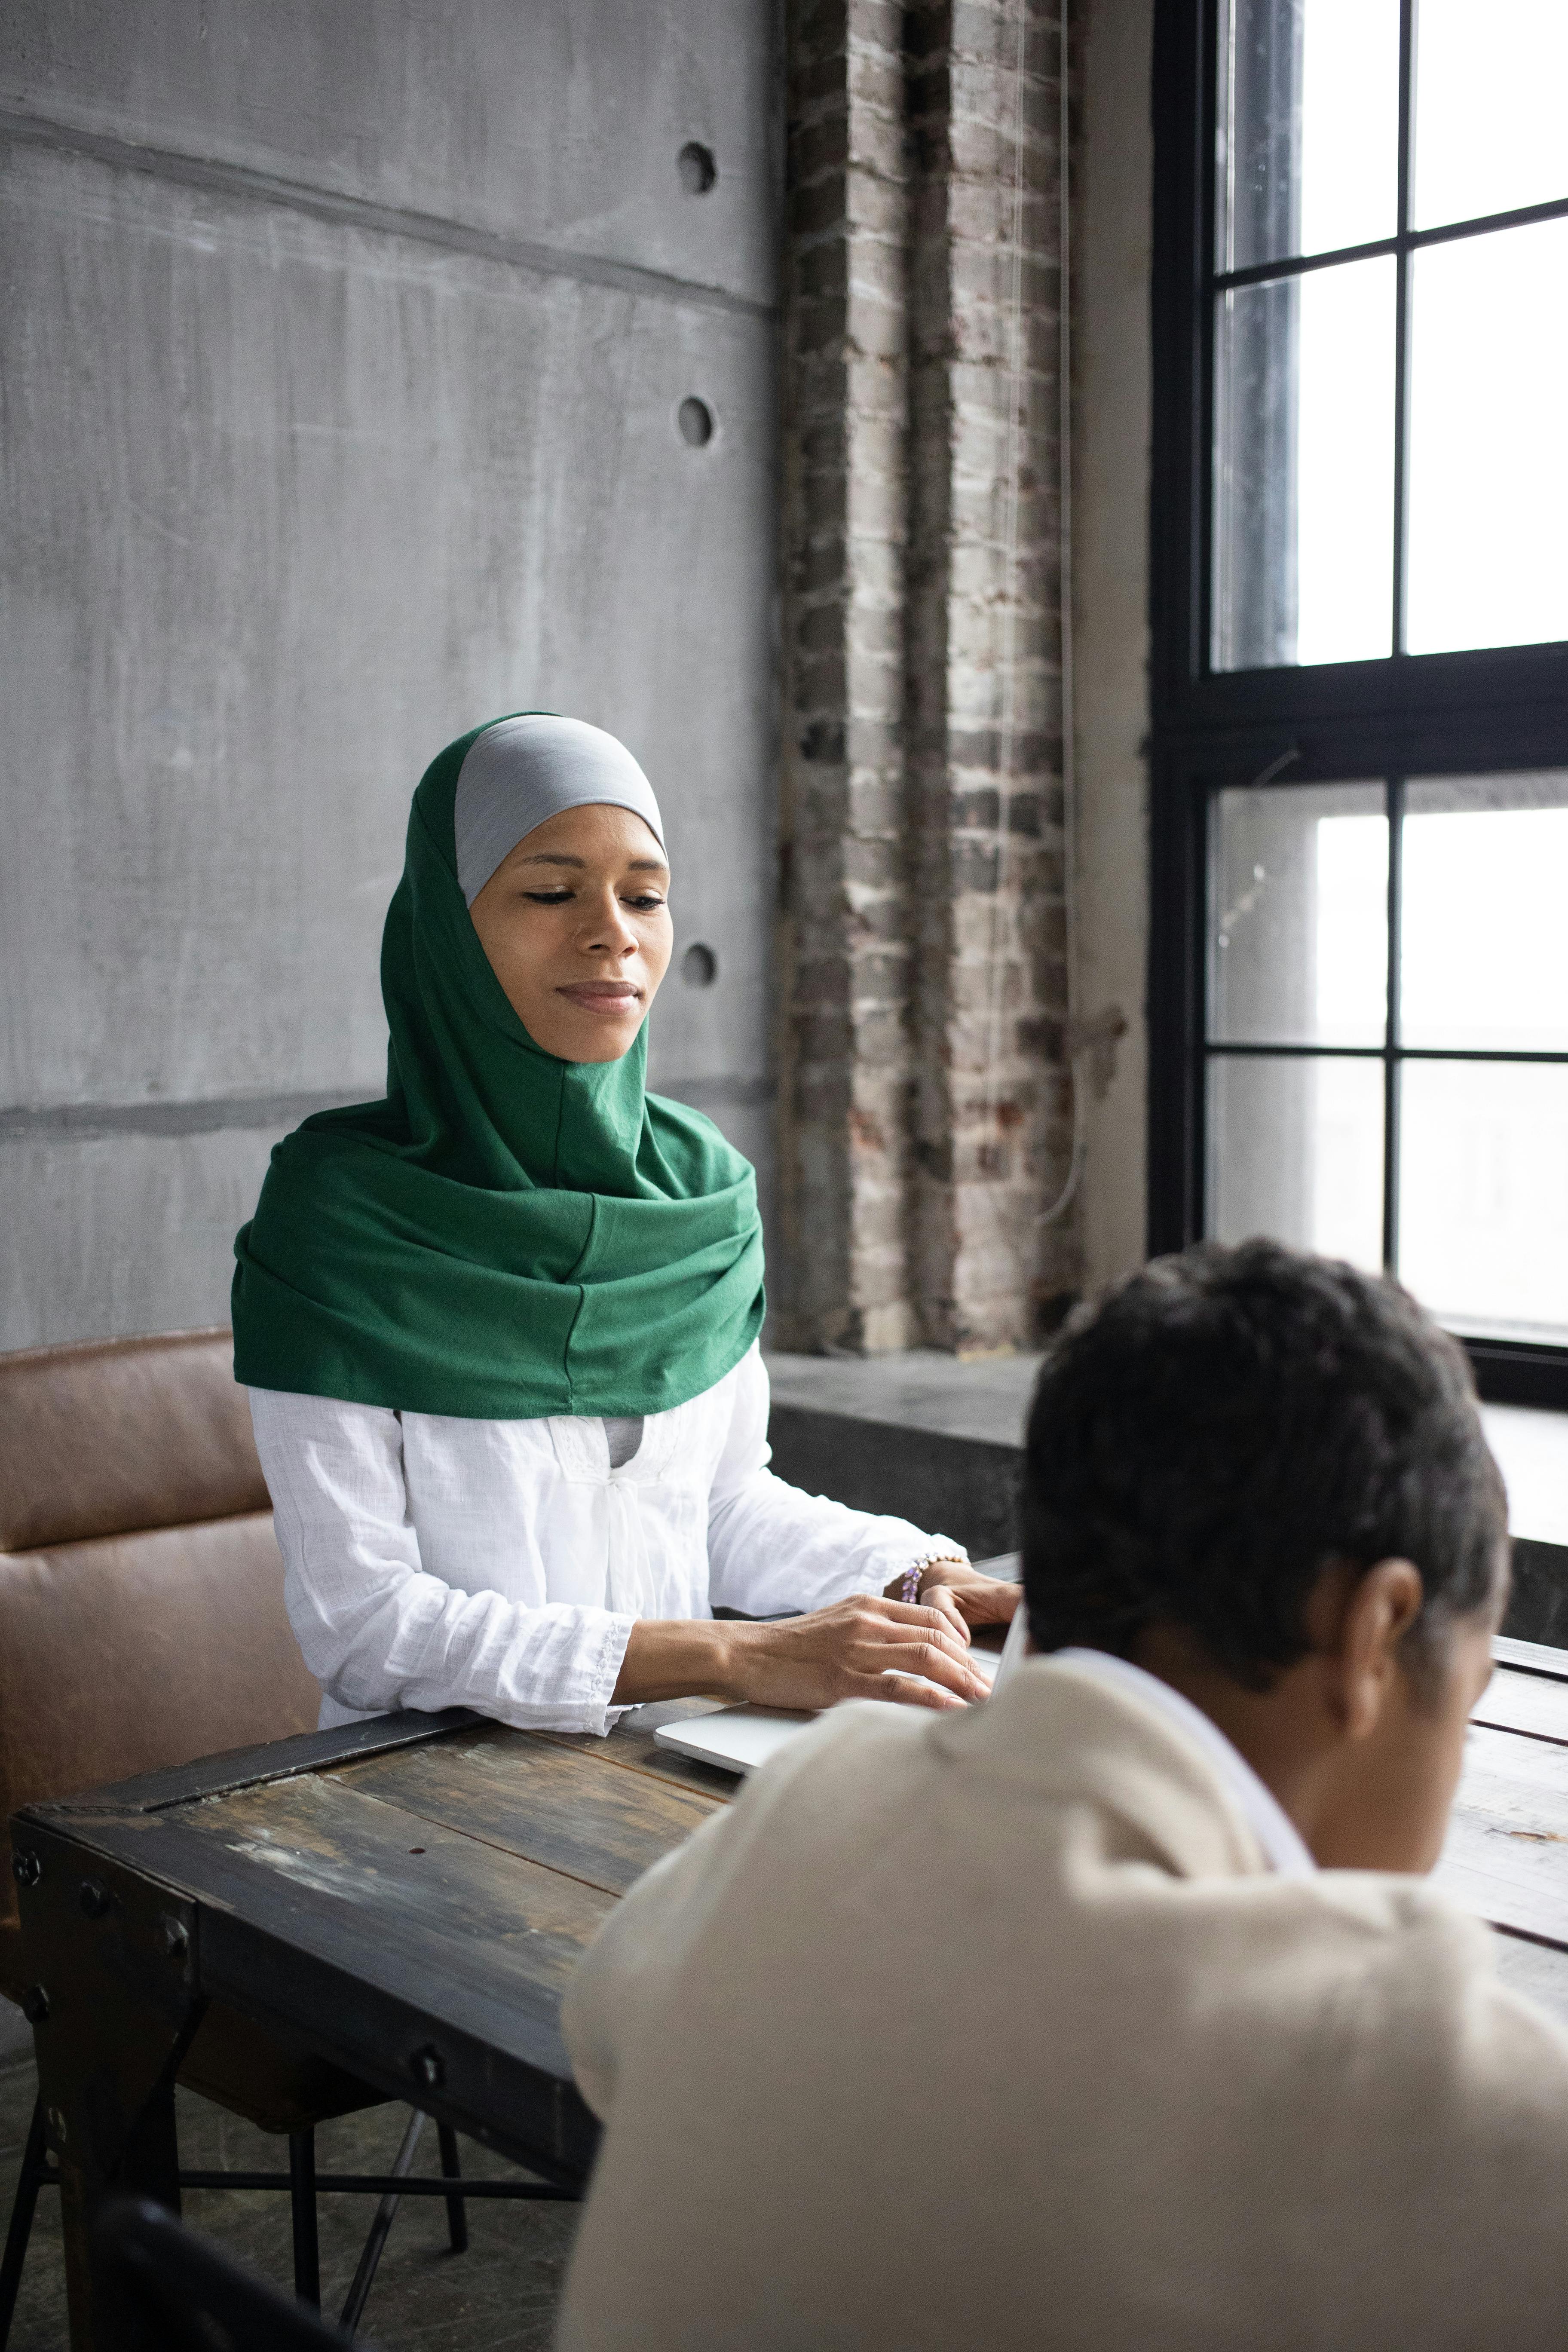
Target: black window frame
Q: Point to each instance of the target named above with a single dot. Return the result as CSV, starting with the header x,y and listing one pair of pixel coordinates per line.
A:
x,y
1400,716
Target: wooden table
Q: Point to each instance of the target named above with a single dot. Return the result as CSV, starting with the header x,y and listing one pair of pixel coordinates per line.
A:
x,y
1507,1853
410,1896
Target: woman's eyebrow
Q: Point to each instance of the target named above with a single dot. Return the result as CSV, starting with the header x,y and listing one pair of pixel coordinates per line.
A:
x,y
560,857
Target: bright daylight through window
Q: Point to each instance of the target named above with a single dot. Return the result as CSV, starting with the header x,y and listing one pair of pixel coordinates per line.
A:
x,y
1410,1107
1391,470
1385,1056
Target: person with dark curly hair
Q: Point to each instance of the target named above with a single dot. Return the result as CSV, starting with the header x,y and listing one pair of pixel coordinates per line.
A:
x,y
1117,2011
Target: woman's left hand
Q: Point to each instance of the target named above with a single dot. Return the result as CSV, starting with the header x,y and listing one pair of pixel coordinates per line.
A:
x,y
965,1595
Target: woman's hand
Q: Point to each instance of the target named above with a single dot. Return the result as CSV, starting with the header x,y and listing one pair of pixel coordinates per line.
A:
x,y
862,1648
966,1598
866,1648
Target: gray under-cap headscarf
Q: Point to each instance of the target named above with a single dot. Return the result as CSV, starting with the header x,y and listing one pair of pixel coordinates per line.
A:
x,y
522,771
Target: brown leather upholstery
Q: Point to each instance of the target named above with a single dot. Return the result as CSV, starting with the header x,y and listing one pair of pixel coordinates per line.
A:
x,y
113,1435
130,1652
142,1619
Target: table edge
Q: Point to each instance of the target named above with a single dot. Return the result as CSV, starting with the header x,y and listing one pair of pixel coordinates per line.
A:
x,y
233,1769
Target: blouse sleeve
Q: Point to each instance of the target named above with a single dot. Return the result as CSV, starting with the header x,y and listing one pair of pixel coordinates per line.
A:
x,y
376,1629
773,1547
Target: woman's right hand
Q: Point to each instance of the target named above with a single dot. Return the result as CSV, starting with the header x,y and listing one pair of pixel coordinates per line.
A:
x,y
866,1647
862,1648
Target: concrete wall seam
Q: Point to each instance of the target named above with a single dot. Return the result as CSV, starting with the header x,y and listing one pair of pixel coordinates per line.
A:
x,y
329,205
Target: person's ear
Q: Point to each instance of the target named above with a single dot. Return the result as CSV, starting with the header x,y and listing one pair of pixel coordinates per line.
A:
x,y
1379,1608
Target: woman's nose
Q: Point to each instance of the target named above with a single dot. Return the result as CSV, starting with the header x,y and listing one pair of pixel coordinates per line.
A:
x,y
610,932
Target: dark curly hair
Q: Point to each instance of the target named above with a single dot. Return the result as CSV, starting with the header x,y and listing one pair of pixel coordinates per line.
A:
x,y
1224,1425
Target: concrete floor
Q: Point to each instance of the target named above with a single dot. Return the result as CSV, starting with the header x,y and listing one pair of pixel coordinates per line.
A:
x,y
499,2297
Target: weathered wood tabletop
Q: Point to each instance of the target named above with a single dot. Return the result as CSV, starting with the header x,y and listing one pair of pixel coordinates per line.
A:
x,y
1506,1858
410,1896
407,1897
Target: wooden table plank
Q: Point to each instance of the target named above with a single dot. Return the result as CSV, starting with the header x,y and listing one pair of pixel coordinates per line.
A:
x,y
632,1747
1532,1657
475,1915
551,1804
275,1760
1524,1702
1506,1855
461,1929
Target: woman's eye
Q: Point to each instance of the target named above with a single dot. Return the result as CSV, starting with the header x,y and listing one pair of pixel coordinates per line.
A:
x,y
547,897
646,905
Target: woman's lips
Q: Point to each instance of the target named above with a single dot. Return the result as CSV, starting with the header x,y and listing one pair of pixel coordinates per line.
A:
x,y
610,996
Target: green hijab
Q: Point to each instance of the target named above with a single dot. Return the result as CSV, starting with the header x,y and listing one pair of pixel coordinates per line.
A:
x,y
506,1236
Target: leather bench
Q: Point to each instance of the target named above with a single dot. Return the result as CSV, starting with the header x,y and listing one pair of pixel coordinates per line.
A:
x,y
141,1625
142,1621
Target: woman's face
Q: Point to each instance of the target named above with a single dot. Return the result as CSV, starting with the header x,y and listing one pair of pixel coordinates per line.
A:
x,y
575,922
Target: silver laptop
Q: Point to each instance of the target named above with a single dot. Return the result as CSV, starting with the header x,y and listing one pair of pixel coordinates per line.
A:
x,y
740,1739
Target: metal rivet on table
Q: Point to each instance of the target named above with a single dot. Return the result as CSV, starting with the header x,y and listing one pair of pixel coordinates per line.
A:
x,y
174,1938
35,2004
428,2068
93,1898
26,1868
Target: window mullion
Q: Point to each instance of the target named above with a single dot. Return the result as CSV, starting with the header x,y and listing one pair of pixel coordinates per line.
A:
x,y
1200,582
1392,1033
1402,312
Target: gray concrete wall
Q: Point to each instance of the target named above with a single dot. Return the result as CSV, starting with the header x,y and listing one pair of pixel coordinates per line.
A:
x,y
341,353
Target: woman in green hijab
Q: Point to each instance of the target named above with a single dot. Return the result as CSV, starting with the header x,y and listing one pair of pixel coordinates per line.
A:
x,y
500,1330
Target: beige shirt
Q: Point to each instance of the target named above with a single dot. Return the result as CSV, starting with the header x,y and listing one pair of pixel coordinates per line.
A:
x,y
1283,1845
997,2030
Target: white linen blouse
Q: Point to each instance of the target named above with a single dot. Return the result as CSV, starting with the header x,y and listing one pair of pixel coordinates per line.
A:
x,y
435,1561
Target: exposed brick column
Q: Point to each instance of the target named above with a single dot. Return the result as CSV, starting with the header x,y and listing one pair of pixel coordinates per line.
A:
x,y
991,1114
845,1044
922,1108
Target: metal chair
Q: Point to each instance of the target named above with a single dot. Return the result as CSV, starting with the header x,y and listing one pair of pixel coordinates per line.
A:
x,y
303,2183
184,2295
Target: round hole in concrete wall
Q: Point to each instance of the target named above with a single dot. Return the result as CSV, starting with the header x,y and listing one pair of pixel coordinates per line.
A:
x,y
695,419
697,168
699,966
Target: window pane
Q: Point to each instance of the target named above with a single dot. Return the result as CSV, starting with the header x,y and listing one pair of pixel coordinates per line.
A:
x,y
1296,1152
1298,916
1491,89
1484,937
1304,469
1483,1177
1308,127
1488,454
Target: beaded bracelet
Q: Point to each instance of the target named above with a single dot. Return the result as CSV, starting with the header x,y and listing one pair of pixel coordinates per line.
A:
x,y
910,1590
